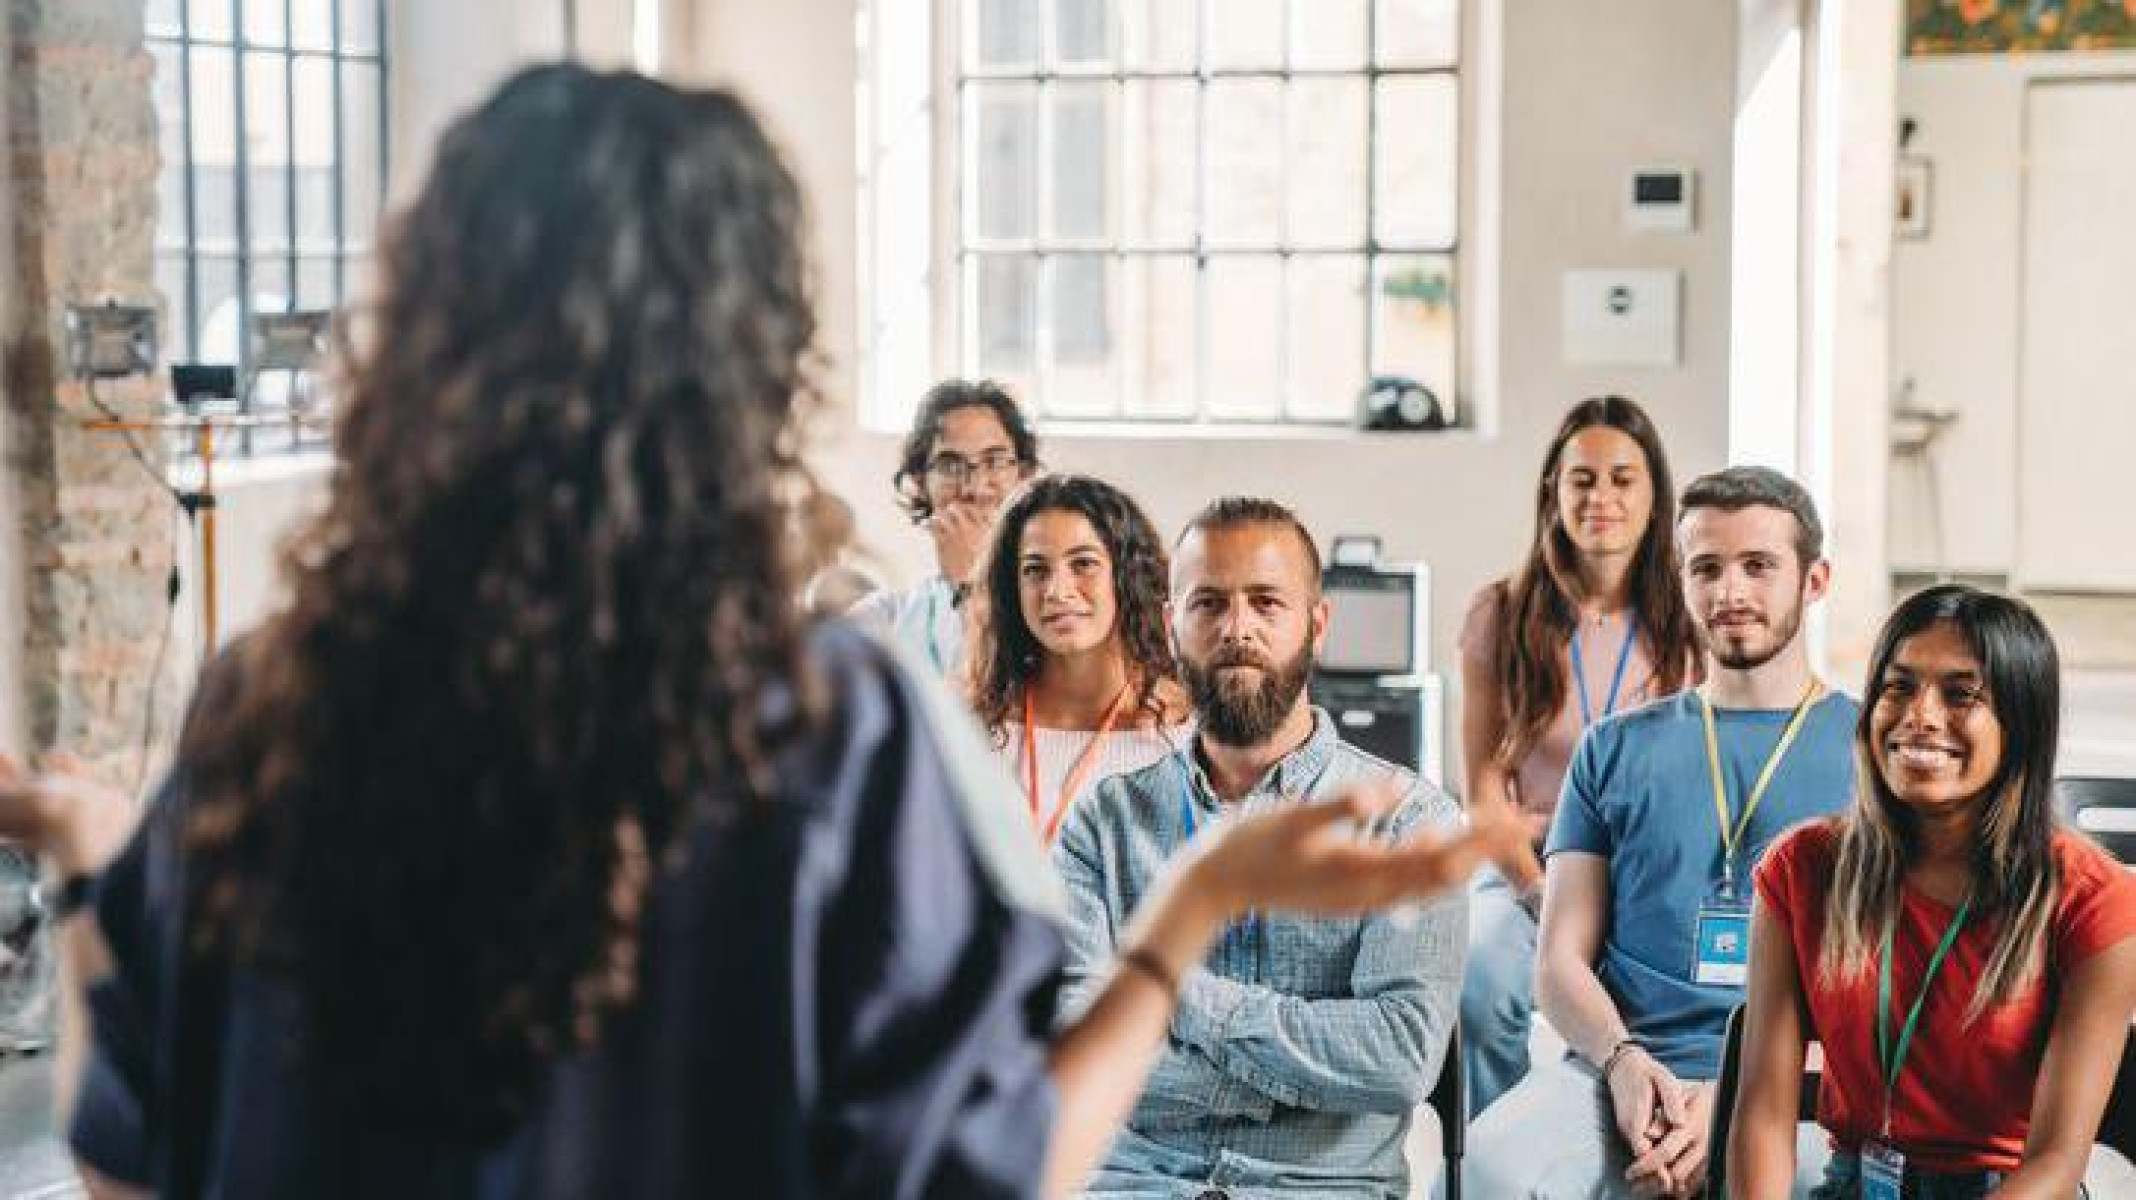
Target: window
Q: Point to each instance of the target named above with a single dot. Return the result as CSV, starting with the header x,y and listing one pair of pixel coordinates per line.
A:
x,y
1182,210
272,123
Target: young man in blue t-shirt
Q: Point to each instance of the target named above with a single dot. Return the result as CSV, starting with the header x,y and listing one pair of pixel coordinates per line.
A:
x,y
1643,947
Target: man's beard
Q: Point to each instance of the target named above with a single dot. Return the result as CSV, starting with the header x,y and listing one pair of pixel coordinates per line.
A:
x,y
1238,716
1750,659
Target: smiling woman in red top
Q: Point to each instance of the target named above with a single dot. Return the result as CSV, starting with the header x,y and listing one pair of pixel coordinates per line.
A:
x,y
1968,964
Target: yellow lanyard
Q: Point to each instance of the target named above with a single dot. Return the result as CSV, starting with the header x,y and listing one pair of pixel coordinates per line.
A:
x,y
1732,834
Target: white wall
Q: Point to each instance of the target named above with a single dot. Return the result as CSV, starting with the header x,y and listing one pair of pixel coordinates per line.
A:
x,y
1956,295
1588,93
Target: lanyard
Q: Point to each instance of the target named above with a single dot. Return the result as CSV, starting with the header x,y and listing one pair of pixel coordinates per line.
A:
x,y
1732,834
1077,773
1893,1057
1616,680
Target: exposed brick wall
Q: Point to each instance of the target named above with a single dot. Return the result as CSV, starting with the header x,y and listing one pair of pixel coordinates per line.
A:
x,y
92,541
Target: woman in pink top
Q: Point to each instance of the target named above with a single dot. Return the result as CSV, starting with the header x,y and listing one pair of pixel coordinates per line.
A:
x,y
1070,661
1593,623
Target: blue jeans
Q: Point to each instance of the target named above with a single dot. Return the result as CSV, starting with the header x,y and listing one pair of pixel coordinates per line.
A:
x,y
1498,991
1843,1181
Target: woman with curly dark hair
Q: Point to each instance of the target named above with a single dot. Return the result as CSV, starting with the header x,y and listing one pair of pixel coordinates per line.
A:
x,y
537,847
1071,658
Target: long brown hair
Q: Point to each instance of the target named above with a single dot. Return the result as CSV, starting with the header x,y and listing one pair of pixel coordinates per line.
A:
x,y
1538,605
532,637
1004,656
2015,879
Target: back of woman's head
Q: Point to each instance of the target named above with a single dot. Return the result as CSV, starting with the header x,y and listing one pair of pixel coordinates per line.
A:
x,y
2014,878
530,637
1539,610
1005,654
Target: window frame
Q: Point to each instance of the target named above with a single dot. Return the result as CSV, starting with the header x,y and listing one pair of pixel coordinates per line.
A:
x,y
956,71
183,42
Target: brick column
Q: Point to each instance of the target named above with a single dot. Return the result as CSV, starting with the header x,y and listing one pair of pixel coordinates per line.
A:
x,y
89,530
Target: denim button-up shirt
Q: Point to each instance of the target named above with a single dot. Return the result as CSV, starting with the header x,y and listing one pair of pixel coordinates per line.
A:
x,y
1301,1047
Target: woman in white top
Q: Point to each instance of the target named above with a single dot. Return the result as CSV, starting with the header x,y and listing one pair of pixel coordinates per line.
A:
x,y
1069,666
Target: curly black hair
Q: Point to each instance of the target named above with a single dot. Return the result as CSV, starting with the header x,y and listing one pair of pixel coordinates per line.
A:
x,y
1004,654
944,398
530,637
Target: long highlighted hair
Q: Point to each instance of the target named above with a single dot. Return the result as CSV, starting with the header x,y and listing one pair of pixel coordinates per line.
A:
x,y
2015,880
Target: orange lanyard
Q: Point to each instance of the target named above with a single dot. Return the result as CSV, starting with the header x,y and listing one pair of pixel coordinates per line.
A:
x,y
1076,774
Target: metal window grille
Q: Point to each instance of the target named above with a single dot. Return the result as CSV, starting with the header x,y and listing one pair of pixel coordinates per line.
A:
x,y
273,128
1207,211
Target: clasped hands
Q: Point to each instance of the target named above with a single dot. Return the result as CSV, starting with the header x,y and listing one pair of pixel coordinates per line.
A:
x,y
1665,1121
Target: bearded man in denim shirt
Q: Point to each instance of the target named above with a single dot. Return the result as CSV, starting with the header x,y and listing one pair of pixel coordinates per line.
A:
x,y
1300,1049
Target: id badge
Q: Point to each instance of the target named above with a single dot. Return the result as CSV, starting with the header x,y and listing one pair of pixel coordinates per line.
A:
x,y
1883,1171
1723,946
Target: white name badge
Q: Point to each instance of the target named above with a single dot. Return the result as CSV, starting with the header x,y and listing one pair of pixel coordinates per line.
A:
x,y
1722,954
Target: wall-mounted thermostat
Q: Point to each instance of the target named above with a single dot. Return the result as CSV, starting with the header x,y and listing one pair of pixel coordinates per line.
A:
x,y
1660,199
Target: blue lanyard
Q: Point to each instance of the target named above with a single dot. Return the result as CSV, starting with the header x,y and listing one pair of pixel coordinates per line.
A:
x,y
1616,682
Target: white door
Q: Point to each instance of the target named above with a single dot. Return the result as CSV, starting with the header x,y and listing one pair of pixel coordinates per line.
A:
x,y
2076,528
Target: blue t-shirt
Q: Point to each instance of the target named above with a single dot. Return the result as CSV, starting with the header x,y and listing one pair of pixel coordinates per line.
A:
x,y
1640,794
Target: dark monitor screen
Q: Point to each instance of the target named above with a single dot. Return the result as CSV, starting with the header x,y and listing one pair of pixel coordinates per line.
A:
x,y
1371,624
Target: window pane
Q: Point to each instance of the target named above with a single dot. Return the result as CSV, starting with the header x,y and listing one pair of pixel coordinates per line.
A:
x,y
314,169
211,18
1245,339
1157,159
311,24
263,23
1416,161
170,280
1418,33
218,310
169,94
1244,182
1327,162
362,178
1158,333
315,283
1082,382
1003,315
1005,33
1413,322
270,286
1328,34
1246,34
1001,164
359,25
1081,114
214,149
161,18
267,149
1159,34
1080,33
1327,335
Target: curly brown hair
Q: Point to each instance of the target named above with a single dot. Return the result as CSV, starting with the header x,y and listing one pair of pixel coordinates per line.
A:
x,y
530,638
1004,654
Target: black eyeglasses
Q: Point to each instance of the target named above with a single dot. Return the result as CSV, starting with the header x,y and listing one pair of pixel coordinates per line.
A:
x,y
952,470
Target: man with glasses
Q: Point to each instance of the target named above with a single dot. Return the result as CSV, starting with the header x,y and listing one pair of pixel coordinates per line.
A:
x,y
968,449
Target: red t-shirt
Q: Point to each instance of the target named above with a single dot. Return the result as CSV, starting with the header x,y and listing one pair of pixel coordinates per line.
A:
x,y
1964,1100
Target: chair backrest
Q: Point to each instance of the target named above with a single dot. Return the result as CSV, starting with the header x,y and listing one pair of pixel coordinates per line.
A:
x,y
1724,1094
1449,1104
2103,807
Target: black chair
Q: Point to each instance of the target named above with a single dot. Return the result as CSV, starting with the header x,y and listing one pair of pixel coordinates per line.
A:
x,y
2102,807
1449,1102
1724,1104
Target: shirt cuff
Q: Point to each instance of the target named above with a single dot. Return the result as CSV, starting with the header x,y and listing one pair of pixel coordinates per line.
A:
x,y
1207,1003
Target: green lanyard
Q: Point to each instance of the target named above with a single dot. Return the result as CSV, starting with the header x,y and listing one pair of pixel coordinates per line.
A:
x,y
1732,832
1893,1057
